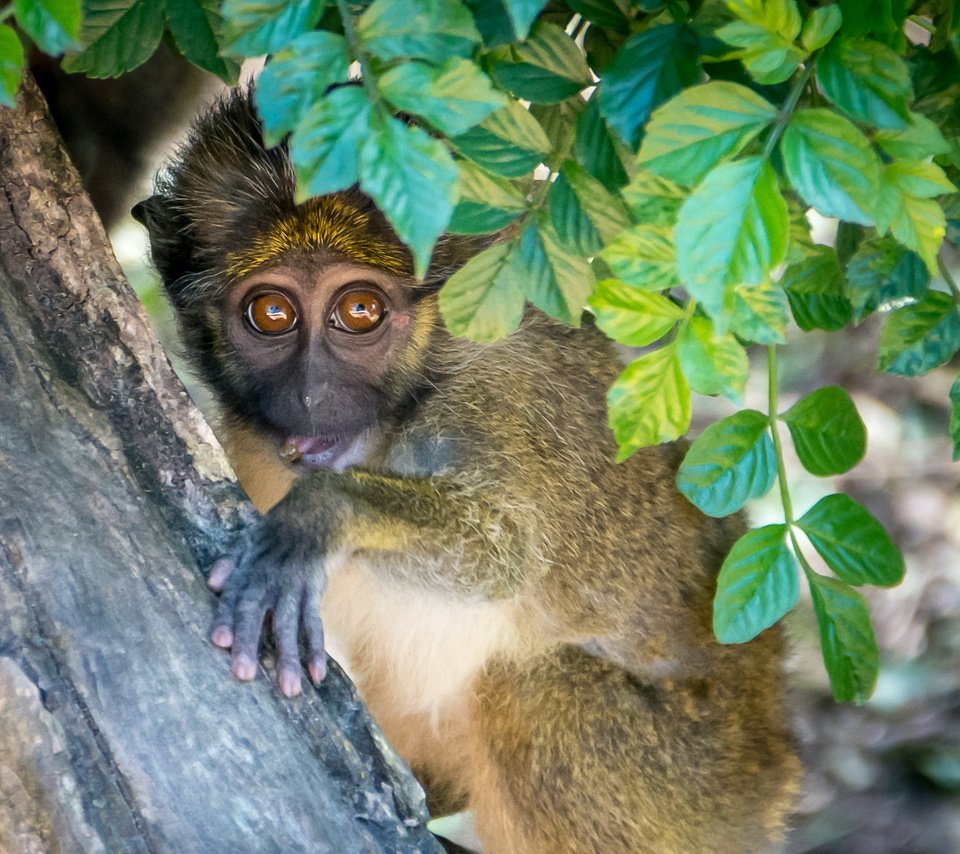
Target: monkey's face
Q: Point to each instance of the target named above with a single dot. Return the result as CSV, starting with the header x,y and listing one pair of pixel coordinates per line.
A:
x,y
316,344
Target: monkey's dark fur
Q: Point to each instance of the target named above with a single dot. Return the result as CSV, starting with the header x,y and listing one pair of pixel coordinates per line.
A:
x,y
529,621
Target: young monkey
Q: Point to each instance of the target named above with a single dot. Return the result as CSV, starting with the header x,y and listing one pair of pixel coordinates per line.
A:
x,y
529,622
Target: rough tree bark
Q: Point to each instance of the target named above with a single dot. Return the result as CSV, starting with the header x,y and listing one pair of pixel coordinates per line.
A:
x,y
120,727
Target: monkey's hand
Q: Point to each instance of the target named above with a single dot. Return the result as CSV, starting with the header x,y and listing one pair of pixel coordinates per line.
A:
x,y
272,571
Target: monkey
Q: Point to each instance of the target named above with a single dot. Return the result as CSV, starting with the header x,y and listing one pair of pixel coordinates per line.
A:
x,y
528,620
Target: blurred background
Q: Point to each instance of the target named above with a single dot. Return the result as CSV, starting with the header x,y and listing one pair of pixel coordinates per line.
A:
x,y
882,777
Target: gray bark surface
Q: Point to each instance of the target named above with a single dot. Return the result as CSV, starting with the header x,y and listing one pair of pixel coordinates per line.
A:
x,y
121,728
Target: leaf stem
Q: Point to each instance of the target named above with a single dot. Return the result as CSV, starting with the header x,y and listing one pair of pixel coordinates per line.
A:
x,y
350,33
772,407
783,117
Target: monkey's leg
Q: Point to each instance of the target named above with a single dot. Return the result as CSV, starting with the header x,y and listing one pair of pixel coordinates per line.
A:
x,y
573,755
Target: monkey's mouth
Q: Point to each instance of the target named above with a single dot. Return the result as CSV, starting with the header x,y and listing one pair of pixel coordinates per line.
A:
x,y
324,452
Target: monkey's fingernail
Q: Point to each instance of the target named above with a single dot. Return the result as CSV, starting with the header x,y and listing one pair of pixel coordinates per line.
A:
x,y
318,669
222,637
289,682
290,453
219,573
244,668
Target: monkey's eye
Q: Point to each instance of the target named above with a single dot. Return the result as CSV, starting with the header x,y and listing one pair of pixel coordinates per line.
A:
x,y
271,314
358,310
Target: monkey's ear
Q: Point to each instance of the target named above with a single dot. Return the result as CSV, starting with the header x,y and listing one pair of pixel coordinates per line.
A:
x,y
169,246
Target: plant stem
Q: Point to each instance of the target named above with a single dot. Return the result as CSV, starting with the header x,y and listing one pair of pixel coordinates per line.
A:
x,y
350,33
772,406
783,117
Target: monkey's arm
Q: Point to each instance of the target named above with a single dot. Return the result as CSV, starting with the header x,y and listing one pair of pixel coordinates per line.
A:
x,y
440,533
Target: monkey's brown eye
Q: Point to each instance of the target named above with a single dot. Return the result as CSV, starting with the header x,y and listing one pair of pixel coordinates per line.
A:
x,y
271,314
359,310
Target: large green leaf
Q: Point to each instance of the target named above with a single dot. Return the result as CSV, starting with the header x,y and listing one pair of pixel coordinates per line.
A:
x,y
555,279
54,25
867,80
765,33
559,123
630,316
596,149
522,14
814,287
584,214
255,27
846,638
701,126
653,200
730,463
487,202
757,585
411,176
509,142
882,274
831,164
919,337
731,230
325,149
758,312
12,64
852,542
713,363
920,138
827,431
614,15
119,34
546,68
297,77
196,27
820,27
483,300
453,97
650,402
434,30
651,66
643,257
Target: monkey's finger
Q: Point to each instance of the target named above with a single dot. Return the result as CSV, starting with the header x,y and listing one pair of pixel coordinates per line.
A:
x,y
249,615
220,573
222,632
286,616
313,629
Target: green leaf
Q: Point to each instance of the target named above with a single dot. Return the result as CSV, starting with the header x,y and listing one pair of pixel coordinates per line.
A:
x,y
632,317
584,214
297,77
487,202
609,14
955,418
509,142
917,338
868,16
757,585
325,149
827,431
546,68
903,205
54,25
730,463
559,123
702,126
801,241
522,14
882,275
12,64
852,542
846,638
453,97
483,300
596,149
713,363
759,312
814,287
196,27
731,230
255,27
820,27
920,138
555,280
650,402
653,200
765,32
643,257
651,66
419,29
412,178
120,35
867,80
831,164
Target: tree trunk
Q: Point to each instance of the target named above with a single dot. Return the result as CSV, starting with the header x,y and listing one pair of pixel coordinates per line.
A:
x,y
121,728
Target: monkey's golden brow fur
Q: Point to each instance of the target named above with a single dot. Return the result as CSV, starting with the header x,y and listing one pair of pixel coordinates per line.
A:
x,y
325,223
